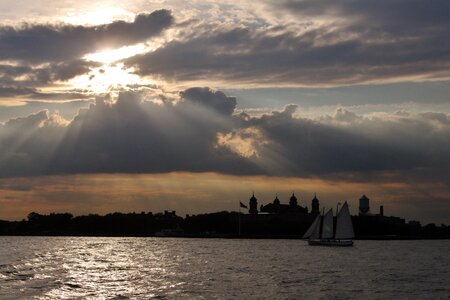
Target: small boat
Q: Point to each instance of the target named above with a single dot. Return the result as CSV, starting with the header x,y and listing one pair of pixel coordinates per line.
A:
x,y
321,232
177,232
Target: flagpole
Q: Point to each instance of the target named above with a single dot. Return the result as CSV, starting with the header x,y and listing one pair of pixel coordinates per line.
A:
x,y
239,232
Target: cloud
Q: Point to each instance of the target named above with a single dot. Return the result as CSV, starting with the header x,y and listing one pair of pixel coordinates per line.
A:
x,y
323,44
130,135
349,144
67,109
215,100
28,76
14,91
31,93
289,44
40,43
201,133
392,17
64,71
36,56
20,83
342,116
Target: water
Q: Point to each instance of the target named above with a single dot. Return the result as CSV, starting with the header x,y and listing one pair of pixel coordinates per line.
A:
x,y
145,268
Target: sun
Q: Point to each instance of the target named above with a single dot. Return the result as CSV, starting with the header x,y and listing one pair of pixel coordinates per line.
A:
x,y
112,55
113,74
107,78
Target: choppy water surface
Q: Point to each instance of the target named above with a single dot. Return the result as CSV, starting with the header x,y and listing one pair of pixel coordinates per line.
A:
x,y
142,268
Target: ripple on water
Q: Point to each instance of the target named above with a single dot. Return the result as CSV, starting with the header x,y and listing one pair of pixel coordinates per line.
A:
x,y
123,268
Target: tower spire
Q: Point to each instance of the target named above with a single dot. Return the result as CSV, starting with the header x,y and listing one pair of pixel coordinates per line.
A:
x,y
315,205
253,204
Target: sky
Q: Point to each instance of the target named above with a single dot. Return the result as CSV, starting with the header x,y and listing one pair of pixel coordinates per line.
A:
x,y
193,105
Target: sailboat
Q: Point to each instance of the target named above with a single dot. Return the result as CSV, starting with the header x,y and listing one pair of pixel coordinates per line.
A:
x,y
325,236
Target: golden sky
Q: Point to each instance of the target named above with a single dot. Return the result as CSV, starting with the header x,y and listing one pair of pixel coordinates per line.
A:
x,y
191,105
193,193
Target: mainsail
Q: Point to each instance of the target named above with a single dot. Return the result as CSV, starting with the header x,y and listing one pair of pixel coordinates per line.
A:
x,y
344,226
327,226
313,230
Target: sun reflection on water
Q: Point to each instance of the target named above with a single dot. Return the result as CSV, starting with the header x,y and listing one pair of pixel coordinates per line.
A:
x,y
113,269
143,268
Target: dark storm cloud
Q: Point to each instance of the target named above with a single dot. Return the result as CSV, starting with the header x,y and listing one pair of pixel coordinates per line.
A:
x,y
393,17
62,96
7,91
200,133
128,136
45,54
215,100
372,41
24,82
347,143
14,71
32,93
28,76
63,71
39,43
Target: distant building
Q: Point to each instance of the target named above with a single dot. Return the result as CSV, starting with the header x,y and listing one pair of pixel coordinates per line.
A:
x,y
293,201
253,205
277,208
276,201
315,209
364,208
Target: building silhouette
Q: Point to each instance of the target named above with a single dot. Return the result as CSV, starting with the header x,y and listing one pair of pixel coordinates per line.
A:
x,y
293,201
276,207
253,205
285,220
315,209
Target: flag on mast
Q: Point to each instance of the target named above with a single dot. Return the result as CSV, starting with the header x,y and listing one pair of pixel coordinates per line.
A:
x,y
242,205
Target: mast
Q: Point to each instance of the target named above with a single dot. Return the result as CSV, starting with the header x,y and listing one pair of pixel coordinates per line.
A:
x,y
321,222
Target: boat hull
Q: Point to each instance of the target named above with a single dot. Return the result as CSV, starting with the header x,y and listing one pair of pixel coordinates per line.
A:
x,y
331,242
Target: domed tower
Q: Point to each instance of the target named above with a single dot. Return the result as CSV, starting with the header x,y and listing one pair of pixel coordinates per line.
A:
x,y
293,201
253,205
276,205
315,210
276,201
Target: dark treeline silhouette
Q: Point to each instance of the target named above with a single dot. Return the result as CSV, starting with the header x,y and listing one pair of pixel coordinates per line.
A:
x,y
219,224
115,224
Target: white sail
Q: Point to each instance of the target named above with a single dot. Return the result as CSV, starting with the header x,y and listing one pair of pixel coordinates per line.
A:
x,y
314,228
344,226
316,232
327,226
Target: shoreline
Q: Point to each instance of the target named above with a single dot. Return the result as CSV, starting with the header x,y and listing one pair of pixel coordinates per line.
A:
x,y
229,236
